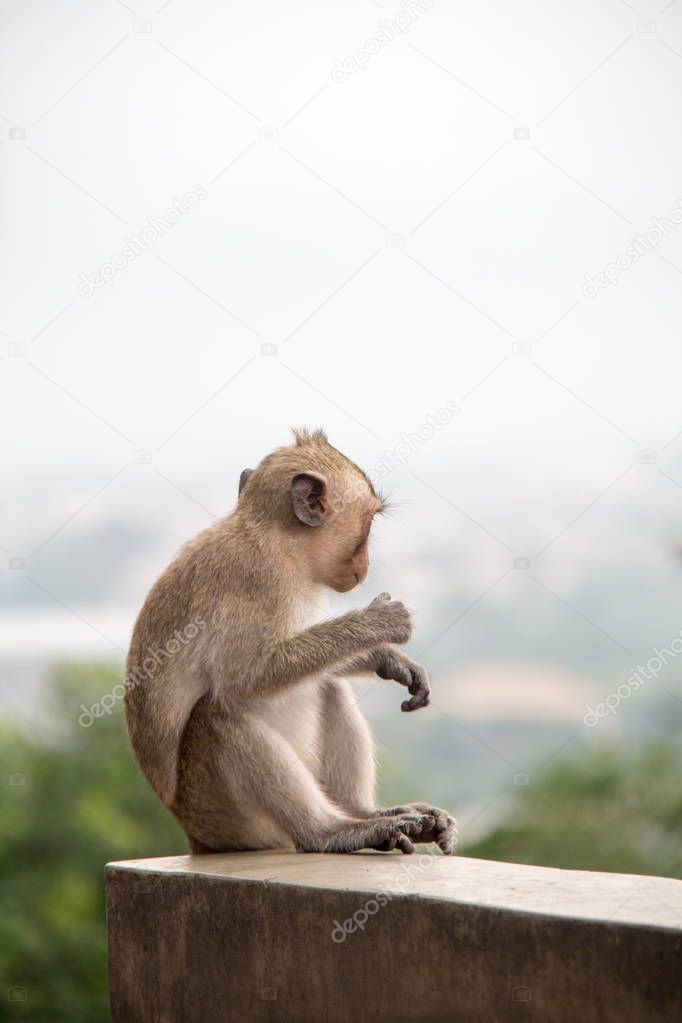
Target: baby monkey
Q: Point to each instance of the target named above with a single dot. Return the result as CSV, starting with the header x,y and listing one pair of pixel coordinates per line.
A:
x,y
249,732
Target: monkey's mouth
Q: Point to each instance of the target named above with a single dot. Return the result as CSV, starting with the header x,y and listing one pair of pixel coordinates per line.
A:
x,y
347,583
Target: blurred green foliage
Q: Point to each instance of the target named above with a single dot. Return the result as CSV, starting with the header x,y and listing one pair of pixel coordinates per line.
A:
x,y
73,800
611,808
70,803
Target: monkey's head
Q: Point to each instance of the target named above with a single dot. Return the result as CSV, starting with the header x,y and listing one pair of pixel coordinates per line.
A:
x,y
322,502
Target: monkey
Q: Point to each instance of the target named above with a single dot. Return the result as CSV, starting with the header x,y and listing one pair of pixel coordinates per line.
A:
x,y
249,732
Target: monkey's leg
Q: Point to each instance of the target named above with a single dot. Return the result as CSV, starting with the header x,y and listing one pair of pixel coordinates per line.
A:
x,y
242,786
346,751
347,767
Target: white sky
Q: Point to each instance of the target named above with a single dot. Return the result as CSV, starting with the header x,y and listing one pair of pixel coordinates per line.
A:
x,y
293,246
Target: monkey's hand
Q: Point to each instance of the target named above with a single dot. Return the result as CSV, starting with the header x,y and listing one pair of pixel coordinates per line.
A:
x,y
442,830
394,664
389,619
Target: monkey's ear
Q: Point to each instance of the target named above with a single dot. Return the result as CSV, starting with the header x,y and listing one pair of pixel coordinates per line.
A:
x,y
245,473
309,498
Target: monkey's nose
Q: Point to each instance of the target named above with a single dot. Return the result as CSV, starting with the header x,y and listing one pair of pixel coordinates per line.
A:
x,y
357,577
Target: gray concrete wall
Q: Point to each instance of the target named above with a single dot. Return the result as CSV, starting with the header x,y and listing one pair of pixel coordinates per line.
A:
x,y
285,936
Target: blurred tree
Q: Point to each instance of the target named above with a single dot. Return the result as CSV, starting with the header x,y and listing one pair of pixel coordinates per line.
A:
x,y
65,812
613,808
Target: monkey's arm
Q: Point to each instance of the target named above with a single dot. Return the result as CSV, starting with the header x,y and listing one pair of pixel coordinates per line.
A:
x,y
389,662
325,645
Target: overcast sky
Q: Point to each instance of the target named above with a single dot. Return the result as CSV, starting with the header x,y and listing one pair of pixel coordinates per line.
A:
x,y
416,234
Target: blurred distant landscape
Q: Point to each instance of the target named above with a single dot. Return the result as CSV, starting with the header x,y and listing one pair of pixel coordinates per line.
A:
x,y
517,645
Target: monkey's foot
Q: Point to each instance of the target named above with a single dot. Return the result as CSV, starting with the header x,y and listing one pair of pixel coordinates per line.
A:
x,y
398,831
408,826
444,831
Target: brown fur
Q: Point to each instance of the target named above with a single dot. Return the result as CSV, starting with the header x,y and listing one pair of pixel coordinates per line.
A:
x,y
249,732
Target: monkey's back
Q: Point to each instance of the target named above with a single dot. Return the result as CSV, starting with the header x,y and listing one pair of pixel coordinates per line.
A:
x,y
164,672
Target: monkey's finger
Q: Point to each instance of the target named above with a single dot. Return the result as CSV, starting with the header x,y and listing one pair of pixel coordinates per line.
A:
x,y
404,844
422,691
419,700
389,845
449,839
396,670
416,825
445,833
419,681
431,832
423,698
421,695
443,820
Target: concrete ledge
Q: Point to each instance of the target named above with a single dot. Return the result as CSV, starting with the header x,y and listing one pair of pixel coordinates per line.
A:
x,y
287,936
